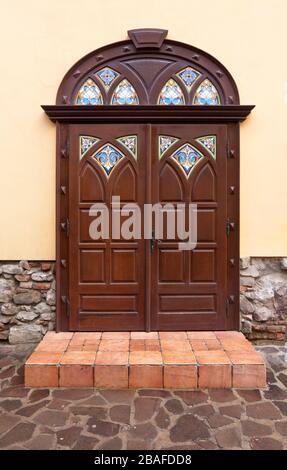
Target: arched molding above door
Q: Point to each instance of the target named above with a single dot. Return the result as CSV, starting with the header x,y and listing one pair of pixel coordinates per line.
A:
x,y
148,63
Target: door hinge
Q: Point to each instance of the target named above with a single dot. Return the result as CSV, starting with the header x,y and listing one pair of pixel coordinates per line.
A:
x,y
230,300
230,152
230,227
65,150
66,302
65,227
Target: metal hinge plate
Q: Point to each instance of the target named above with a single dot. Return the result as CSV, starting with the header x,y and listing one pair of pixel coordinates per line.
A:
x,y
230,227
65,227
66,302
229,151
65,150
230,300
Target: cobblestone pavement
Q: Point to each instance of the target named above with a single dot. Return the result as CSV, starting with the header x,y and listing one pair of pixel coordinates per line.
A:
x,y
142,419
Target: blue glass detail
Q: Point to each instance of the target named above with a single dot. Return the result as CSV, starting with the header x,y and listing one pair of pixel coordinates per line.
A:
x,y
130,142
188,76
209,142
108,157
107,76
125,94
171,94
89,94
206,94
186,157
165,141
86,142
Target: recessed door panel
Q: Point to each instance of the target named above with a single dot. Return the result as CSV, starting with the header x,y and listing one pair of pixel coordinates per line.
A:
x,y
206,225
170,185
124,265
91,186
202,265
104,303
84,225
204,187
171,265
126,184
187,303
92,266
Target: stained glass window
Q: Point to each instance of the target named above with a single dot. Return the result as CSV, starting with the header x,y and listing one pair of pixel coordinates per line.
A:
x,y
108,157
107,76
130,142
188,76
86,142
186,157
125,94
171,94
89,93
209,142
206,94
165,141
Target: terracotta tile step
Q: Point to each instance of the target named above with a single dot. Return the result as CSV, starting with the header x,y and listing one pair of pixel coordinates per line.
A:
x,y
181,360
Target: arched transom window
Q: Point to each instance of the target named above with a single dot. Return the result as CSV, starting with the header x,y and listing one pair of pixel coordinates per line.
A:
x,y
124,93
148,69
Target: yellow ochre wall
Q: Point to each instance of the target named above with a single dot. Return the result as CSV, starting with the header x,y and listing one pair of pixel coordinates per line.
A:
x,y
41,40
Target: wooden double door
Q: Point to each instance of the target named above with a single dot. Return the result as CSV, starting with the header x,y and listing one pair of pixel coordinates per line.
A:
x,y
118,284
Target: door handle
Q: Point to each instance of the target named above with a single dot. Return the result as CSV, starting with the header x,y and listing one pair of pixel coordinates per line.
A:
x,y
152,242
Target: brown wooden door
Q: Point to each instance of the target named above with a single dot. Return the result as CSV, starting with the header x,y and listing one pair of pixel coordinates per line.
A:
x,y
189,286
106,276
117,284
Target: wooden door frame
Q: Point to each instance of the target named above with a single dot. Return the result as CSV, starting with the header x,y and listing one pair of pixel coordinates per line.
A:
x,y
64,116
148,60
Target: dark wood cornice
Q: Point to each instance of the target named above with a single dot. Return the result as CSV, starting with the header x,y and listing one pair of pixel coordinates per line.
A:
x,y
182,114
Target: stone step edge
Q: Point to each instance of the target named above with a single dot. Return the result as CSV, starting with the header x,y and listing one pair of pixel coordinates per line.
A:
x,y
174,376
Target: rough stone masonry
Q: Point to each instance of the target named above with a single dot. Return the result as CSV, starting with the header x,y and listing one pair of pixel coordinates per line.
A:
x,y
27,299
263,298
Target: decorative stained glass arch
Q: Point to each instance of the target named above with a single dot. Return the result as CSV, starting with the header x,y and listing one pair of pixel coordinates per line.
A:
x,y
86,142
206,94
148,69
188,76
130,143
108,157
164,143
89,94
186,158
209,142
171,94
107,76
125,94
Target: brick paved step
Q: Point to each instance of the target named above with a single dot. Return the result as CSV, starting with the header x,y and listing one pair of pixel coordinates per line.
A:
x,y
173,360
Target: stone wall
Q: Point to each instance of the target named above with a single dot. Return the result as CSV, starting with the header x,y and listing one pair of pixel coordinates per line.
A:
x,y
27,299
263,298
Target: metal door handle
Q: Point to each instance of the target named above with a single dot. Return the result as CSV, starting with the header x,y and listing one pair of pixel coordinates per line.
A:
x,y
152,242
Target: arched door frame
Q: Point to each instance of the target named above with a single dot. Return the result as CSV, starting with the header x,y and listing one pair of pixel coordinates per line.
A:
x,y
148,47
